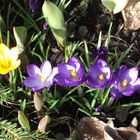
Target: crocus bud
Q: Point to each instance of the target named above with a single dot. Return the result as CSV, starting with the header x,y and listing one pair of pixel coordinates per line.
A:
x,y
23,120
38,102
43,123
45,26
35,4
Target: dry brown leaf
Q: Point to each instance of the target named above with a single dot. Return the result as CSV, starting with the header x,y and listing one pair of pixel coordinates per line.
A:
x,y
90,128
131,15
128,133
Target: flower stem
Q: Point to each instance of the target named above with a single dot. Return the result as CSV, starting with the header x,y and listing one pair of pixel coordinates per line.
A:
x,y
106,96
94,99
12,79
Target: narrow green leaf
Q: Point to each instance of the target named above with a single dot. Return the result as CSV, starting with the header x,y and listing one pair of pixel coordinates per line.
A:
x,y
2,24
54,103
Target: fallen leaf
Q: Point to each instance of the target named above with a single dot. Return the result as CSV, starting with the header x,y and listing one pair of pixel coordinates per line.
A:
x,y
91,128
128,133
131,15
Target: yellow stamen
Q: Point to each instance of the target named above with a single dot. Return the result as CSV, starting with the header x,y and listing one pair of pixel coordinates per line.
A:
x,y
42,78
124,83
101,77
73,73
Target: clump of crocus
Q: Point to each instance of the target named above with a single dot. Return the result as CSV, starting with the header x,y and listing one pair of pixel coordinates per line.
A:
x,y
126,82
70,73
8,59
35,4
40,78
99,75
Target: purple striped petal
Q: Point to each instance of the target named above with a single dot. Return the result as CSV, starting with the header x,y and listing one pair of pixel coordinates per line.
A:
x,y
115,93
65,70
130,75
46,69
33,82
33,70
74,62
133,74
73,83
101,63
136,85
60,80
50,79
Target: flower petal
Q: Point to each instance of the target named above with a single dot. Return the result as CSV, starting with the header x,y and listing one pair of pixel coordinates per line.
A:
x,y
65,70
3,71
73,83
60,80
115,93
101,63
46,69
130,75
14,53
33,70
107,72
127,90
90,82
76,63
136,85
133,74
15,64
49,81
4,50
33,82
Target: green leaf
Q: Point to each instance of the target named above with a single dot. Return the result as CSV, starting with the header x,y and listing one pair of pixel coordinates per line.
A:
x,y
115,6
2,24
55,19
60,36
109,4
20,34
23,120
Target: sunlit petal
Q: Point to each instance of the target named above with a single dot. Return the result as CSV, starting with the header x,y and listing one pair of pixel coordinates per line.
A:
x,y
4,50
14,53
33,70
33,82
46,69
15,64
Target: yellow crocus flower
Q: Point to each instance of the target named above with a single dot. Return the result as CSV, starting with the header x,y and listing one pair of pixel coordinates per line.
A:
x,y
8,59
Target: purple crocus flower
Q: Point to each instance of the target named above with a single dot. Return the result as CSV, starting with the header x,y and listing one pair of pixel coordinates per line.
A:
x,y
40,78
35,4
99,75
101,52
126,82
70,73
